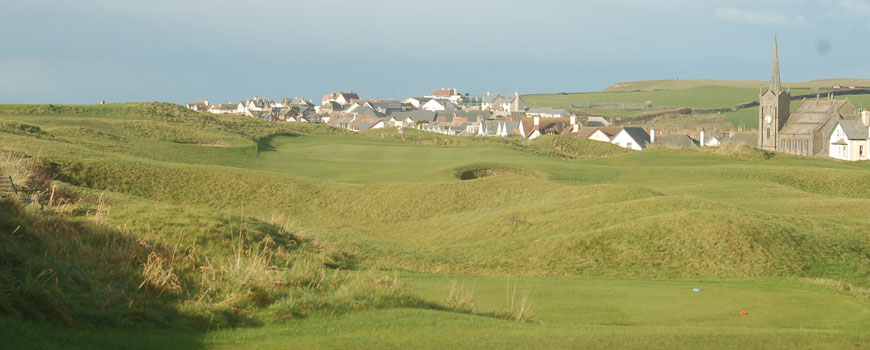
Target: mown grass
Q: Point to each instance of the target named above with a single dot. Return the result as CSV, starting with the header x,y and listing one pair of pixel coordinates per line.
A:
x,y
290,221
570,313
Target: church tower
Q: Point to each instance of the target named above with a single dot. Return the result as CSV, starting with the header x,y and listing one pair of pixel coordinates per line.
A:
x,y
774,108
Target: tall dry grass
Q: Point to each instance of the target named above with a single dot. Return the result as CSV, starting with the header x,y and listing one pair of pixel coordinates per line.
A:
x,y
16,166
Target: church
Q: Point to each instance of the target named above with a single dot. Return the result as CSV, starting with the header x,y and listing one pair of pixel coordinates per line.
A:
x,y
804,131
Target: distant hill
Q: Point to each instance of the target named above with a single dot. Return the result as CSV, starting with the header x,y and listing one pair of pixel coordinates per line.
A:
x,y
655,85
714,103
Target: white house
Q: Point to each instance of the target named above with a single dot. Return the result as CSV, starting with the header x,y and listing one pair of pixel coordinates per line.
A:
x,y
417,102
451,95
604,134
489,101
341,98
530,131
548,113
224,108
632,138
511,104
438,105
849,139
256,104
200,106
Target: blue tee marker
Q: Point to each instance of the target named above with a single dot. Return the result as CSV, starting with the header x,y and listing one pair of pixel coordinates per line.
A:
x,y
696,290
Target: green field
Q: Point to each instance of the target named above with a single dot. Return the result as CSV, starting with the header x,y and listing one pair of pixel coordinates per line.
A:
x,y
177,229
695,94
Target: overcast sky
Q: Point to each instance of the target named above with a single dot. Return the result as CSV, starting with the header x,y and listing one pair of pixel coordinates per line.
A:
x,y
81,51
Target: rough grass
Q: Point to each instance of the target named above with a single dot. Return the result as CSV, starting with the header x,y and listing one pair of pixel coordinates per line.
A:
x,y
739,151
81,270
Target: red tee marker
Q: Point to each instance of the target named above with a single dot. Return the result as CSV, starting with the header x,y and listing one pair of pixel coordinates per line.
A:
x,y
742,313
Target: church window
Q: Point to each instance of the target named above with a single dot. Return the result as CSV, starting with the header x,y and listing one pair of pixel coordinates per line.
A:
x,y
768,133
860,150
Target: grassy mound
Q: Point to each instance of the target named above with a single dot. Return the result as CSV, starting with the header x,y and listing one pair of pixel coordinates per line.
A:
x,y
23,129
215,271
739,151
576,148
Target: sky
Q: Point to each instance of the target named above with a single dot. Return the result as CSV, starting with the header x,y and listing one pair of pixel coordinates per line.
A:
x,y
83,51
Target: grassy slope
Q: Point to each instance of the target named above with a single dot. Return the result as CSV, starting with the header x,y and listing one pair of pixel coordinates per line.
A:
x,y
673,214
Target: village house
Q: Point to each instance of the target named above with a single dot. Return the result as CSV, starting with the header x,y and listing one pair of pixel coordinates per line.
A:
x,y
416,102
604,134
385,107
363,108
548,113
200,106
451,95
488,102
436,105
330,108
510,104
340,97
257,104
417,117
850,139
225,108
632,138
534,127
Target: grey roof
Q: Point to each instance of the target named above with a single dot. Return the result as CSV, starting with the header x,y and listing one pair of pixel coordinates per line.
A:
x,y
812,115
417,115
510,126
638,134
597,121
361,109
387,104
297,101
472,116
490,127
447,104
364,125
677,141
854,129
491,98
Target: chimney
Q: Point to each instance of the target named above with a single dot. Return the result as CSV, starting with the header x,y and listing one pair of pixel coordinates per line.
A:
x,y
537,121
652,135
865,116
702,138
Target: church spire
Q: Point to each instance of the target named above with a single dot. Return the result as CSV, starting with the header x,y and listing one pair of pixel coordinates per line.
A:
x,y
775,84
